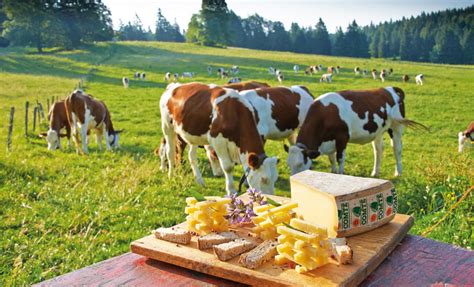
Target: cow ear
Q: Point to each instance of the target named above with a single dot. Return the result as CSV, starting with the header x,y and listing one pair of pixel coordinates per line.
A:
x,y
286,147
43,135
119,131
253,160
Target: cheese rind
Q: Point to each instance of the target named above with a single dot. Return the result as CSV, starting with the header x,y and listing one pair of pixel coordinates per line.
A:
x,y
344,205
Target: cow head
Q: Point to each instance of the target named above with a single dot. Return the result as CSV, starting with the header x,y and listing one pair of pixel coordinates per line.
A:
x,y
52,137
299,157
113,139
263,172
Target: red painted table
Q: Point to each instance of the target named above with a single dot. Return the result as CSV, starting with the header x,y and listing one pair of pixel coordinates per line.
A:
x,y
416,261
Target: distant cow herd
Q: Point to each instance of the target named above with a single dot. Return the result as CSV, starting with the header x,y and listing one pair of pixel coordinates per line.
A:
x,y
232,122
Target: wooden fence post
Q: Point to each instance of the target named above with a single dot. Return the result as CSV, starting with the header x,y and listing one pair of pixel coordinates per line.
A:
x,y
27,104
41,110
52,100
10,129
35,111
47,104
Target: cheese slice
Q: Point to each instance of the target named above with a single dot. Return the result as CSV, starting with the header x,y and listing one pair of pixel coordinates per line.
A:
x,y
345,205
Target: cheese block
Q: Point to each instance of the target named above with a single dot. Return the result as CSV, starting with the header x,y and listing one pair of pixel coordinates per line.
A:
x,y
345,205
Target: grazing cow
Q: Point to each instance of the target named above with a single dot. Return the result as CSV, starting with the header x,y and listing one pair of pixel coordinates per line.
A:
x,y
234,70
405,78
168,76
320,67
331,70
209,70
326,78
337,69
466,137
234,80
176,77
136,75
357,70
335,119
365,73
280,78
86,113
374,74
271,70
187,75
181,144
311,70
219,117
296,68
419,79
143,76
125,82
57,120
383,74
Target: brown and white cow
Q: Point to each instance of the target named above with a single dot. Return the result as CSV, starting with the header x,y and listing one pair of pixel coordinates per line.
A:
x,y
335,119
466,136
87,113
181,144
211,115
57,120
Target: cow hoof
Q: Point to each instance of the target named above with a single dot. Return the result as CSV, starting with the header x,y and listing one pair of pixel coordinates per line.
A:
x,y
397,174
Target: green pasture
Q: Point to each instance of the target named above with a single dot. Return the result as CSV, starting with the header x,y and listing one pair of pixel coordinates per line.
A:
x,y
60,211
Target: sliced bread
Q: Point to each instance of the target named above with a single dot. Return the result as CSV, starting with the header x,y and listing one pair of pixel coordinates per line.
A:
x,y
229,250
211,239
173,234
261,254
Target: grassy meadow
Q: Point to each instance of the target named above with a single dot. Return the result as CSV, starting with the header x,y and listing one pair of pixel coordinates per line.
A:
x,y
60,211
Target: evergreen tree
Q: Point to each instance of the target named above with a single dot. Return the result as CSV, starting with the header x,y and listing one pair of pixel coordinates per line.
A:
x,y
374,44
193,34
236,31
468,47
321,39
382,45
215,18
278,37
448,48
339,48
163,30
297,38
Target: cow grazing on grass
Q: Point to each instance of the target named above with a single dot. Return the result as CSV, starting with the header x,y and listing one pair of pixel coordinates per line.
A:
x,y
143,76
219,117
326,78
466,137
57,121
181,144
383,74
320,67
125,82
419,79
187,75
280,78
136,75
405,78
374,74
336,119
86,113
168,76
234,70
311,70
331,70
176,77
296,68
357,70
209,70
234,80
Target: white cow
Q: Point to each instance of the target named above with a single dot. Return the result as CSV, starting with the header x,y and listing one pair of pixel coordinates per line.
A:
x,y
187,75
125,82
326,78
296,68
419,79
168,76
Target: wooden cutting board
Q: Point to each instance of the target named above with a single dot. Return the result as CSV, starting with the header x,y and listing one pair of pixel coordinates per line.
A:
x,y
369,248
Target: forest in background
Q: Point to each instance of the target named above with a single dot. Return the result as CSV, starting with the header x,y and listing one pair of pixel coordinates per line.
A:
x,y
438,37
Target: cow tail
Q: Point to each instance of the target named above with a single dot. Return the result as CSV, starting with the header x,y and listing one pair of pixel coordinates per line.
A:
x,y
412,124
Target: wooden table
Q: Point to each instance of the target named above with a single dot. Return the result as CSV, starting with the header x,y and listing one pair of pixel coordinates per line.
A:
x,y
416,262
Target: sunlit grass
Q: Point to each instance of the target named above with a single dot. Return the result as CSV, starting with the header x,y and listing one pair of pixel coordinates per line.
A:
x,y
60,211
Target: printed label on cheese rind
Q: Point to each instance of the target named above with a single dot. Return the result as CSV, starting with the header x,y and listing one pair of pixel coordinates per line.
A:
x,y
367,210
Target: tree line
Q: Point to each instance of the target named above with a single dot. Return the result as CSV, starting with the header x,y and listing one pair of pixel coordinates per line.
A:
x,y
440,37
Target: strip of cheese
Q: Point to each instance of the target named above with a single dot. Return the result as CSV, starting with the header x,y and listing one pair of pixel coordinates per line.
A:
x,y
344,205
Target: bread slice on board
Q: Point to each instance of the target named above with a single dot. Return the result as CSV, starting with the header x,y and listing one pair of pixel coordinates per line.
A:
x,y
229,250
173,234
211,239
261,254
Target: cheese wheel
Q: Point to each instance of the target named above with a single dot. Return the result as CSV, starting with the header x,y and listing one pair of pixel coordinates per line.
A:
x,y
344,205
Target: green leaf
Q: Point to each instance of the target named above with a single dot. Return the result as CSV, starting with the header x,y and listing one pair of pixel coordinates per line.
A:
x,y
374,206
272,202
289,226
356,211
390,200
197,195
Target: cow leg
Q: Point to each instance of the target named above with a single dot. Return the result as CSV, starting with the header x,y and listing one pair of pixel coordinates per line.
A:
x,y
377,145
332,160
194,164
98,138
170,137
213,161
396,141
227,164
162,153
84,137
292,139
341,154
68,134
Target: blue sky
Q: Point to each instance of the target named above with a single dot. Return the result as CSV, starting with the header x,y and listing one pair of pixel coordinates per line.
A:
x,y
333,12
